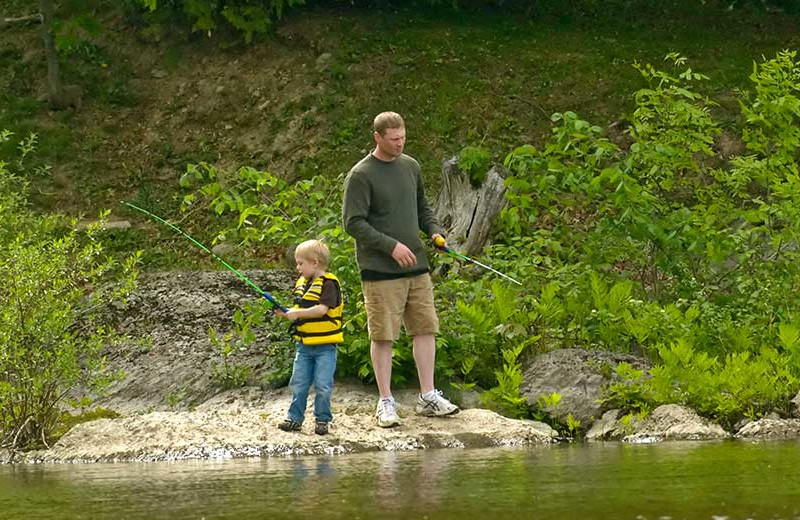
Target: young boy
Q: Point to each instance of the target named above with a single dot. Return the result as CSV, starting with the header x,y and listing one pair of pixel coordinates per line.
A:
x,y
317,329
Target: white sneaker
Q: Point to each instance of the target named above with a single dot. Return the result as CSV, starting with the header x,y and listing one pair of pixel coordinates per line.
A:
x,y
386,413
434,405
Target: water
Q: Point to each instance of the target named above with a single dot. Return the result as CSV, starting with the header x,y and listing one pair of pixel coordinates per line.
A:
x,y
719,480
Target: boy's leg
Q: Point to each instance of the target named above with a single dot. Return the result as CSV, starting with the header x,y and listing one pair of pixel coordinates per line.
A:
x,y
302,377
324,369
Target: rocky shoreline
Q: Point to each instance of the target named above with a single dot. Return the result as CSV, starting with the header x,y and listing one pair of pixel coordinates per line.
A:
x,y
244,424
171,410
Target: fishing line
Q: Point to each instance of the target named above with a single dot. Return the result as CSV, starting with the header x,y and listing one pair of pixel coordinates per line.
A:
x,y
245,279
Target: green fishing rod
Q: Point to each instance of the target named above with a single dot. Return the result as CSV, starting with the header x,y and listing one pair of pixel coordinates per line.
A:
x,y
245,279
440,244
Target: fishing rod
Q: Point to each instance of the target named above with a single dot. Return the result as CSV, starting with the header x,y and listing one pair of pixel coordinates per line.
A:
x,y
440,244
245,279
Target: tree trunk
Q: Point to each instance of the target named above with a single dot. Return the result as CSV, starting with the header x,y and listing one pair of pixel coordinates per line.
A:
x,y
55,88
467,213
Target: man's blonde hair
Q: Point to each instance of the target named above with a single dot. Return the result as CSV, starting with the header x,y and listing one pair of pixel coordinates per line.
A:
x,y
386,120
315,251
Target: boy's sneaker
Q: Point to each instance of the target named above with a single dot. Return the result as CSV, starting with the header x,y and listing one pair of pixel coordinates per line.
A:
x,y
321,428
289,425
386,413
433,404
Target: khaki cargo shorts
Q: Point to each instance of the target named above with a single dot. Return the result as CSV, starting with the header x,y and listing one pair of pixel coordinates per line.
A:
x,y
405,300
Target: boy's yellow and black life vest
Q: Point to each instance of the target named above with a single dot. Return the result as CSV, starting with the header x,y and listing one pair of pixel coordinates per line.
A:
x,y
317,331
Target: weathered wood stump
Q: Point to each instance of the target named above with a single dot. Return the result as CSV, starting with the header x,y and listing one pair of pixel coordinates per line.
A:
x,y
466,212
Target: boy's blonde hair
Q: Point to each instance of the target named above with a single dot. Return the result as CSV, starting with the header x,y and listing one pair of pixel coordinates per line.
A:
x,y
386,120
314,251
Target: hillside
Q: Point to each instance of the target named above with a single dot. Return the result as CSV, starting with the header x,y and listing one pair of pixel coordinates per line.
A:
x,y
300,103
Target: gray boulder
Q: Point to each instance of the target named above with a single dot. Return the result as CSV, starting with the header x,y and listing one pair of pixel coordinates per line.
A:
x,y
578,375
167,356
770,429
675,422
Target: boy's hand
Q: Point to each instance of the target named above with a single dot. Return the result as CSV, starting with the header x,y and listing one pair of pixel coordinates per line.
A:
x,y
290,315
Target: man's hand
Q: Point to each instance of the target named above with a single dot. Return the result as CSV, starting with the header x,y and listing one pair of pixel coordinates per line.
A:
x,y
403,255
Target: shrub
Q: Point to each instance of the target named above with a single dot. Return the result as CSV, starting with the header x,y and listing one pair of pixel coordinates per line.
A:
x,y
54,287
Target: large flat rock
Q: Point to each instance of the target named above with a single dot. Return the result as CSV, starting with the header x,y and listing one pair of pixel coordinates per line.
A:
x,y
238,425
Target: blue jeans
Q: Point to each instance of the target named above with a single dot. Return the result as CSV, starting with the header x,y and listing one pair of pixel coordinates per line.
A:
x,y
313,364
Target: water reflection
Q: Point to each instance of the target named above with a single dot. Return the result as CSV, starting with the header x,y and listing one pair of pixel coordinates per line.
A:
x,y
684,480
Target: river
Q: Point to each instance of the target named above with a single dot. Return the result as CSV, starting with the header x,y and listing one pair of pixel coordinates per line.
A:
x,y
664,481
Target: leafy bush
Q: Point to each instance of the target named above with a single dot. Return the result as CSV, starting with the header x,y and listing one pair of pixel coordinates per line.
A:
x,y
660,243
506,397
740,385
54,287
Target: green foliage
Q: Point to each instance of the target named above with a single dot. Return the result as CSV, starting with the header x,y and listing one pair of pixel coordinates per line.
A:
x,y
251,17
771,127
740,385
73,36
628,392
225,372
573,425
506,397
475,162
660,244
479,330
54,286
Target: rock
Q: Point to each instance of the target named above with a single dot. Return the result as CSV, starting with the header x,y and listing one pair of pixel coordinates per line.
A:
x,y
158,73
323,62
169,351
105,225
246,426
729,145
470,399
770,429
796,406
222,248
605,428
675,422
578,375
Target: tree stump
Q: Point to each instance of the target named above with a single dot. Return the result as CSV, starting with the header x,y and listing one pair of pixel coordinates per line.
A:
x,y
465,212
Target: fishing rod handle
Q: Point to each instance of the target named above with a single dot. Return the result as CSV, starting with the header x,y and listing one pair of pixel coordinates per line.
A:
x,y
269,298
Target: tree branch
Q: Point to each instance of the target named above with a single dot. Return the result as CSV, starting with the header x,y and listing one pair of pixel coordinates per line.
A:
x,y
32,18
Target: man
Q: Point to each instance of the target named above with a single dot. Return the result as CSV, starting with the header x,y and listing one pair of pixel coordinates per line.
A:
x,y
384,210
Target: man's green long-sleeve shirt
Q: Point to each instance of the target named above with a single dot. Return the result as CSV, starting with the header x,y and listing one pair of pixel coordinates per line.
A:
x,y
384,203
